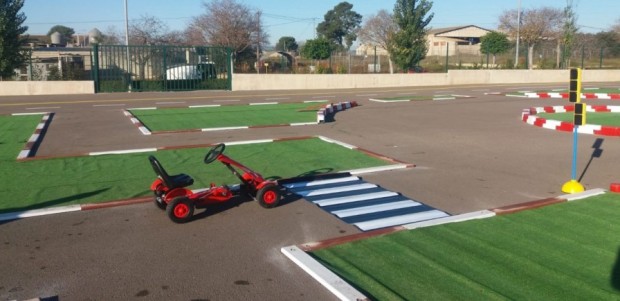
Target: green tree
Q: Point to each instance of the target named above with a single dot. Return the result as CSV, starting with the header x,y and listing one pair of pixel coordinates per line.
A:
x,y
340,25
408,46
287,44
609,41
11,31
66,32
494,43
318,49
569,30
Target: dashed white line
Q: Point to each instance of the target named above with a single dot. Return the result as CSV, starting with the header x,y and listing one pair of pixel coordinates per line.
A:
x,y
43,108
169,102
111,105
263,103
278,98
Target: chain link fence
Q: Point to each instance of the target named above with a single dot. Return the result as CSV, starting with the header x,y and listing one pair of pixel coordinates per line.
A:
x,y
546,55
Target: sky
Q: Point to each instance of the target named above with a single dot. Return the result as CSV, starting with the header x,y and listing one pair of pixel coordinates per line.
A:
x,y
294,17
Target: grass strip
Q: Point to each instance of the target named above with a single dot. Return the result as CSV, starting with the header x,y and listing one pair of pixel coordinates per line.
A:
x,y
588,90
598,118
63,181
178,119
567,251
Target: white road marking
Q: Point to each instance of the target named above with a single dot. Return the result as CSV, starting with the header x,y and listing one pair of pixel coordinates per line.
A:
x,y
42,108
112,105
169,102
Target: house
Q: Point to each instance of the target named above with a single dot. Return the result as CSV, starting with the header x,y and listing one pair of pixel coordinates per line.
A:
x,y
450,40
455,40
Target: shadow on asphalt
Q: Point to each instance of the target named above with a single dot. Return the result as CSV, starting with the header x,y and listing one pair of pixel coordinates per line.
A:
x,y
596,153
287,198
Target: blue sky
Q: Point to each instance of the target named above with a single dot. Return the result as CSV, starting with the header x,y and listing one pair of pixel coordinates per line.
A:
x,y
292,18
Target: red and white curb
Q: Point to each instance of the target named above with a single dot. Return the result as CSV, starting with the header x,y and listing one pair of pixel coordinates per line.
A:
x,y
565,95
529,117
329,110
137,122
36,136
344,291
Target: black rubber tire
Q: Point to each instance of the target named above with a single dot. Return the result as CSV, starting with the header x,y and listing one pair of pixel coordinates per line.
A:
x,y
180,210
269,196
160,204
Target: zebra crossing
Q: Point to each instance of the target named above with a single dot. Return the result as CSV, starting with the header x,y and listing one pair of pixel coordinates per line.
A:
x,y
363,204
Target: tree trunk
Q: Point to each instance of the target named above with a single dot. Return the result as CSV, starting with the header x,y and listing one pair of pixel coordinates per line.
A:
x,y
558,55
391,64
530,57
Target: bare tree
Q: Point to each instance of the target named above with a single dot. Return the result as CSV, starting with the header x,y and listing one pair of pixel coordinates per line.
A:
x,y
378,30
149,30
536,25
616,26
231,24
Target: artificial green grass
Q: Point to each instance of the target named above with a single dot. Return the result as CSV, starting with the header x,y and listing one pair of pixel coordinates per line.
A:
x,y
62,181
598,118
568,251
593,90
227,116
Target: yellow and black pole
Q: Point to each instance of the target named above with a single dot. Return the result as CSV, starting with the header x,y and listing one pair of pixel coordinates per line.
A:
x,y
579,118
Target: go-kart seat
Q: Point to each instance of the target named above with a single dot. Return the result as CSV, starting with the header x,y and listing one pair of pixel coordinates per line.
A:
x,y
175,181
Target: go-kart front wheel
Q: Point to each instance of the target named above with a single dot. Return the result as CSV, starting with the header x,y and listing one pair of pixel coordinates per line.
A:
x,y
180,210
269,196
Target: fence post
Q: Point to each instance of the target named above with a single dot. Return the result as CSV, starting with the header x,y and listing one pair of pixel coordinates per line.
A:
x,y
30,66
487,60
164,68
95,67
583,53
230,67
447,53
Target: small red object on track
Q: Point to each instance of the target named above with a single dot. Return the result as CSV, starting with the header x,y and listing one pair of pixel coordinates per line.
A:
x,y
614,187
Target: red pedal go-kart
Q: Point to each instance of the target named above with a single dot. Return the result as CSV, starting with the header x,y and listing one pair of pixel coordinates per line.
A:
x,y
172,194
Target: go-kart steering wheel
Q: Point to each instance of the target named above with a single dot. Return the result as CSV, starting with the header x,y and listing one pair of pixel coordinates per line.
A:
x,y
214,152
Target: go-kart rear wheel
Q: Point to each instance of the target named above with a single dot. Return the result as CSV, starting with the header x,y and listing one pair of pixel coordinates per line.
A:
x,y
269,196
180,210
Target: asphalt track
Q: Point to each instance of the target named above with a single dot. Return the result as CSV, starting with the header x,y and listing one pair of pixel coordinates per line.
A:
x,y
471,154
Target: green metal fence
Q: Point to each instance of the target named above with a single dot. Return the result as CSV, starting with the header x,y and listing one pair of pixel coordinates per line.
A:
x,y
120,68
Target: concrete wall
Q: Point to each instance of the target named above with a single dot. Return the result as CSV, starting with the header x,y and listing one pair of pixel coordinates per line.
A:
x,y
244,82
18,88
247,82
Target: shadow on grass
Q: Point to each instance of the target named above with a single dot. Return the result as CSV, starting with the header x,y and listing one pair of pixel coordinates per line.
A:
x,y
316,172
615,273
55,202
